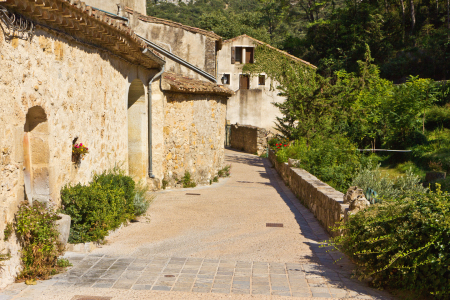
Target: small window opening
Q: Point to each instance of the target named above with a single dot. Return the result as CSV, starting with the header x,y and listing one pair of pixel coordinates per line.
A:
x,y
238,54
244,82
225,79
262,79
249,55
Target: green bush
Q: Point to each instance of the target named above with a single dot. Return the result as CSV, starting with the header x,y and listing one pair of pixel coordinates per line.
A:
x,y
38,236
403,243
332,160
437,116
141,200
187,180
103,205
388,188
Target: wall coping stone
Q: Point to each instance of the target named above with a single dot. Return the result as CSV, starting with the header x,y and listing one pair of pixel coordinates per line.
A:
x,y
312,192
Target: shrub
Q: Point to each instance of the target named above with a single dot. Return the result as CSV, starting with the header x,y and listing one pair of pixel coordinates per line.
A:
x,y
141,200
437,116
333,160
107,202
386,187
224,172
403,243
187,180
37,234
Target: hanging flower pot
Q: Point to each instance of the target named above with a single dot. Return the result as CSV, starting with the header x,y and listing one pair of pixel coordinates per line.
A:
x,y
78,152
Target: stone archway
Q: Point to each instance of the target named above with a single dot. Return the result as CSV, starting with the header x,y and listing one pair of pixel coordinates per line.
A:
x,y
36,155
136,130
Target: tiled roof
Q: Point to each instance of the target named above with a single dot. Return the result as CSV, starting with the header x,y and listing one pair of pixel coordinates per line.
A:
x,y
172,82
271,47
86,24
151,19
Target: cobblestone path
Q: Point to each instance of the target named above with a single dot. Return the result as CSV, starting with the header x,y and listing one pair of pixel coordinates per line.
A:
x,y
231,255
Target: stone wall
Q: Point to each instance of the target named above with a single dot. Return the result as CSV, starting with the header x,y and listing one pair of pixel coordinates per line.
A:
x,y
195,48
53,90
248,138
192,136
324,201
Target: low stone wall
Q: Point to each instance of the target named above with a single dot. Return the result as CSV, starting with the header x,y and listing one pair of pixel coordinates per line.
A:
x,y
248,138
322,200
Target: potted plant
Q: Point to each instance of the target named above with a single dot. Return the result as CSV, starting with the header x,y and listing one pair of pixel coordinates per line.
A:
x,y
78,152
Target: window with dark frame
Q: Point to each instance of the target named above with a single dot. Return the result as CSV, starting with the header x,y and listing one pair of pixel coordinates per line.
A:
x,y
238,57
249,55
225,79
262,79
244,82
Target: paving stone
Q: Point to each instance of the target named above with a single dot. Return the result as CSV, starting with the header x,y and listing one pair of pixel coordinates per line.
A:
x,y
221,291
201,290
181,289
240,291
104,283
281,293
142,287
123,284
301,294
161,288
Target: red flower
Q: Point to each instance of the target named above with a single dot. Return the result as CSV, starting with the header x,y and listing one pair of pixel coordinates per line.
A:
x,y
285,145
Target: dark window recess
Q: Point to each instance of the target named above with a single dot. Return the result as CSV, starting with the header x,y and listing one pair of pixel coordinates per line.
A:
x,y
244,82
262,79
225,79
249,55
238,54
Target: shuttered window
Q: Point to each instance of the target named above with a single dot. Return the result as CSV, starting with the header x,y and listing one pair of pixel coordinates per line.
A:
x,y
244,82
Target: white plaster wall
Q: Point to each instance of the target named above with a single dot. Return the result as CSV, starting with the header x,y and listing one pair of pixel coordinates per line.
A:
x,y
248,108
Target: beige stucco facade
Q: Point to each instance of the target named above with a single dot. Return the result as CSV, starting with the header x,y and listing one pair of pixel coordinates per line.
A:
x,y
53,90
251,106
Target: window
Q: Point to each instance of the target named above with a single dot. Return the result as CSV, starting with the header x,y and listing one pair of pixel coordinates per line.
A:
x,y
238,54
225,79
249,55
262,79
238,57
244,82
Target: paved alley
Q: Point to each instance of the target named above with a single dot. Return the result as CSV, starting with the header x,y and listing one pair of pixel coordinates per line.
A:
x,y
246,237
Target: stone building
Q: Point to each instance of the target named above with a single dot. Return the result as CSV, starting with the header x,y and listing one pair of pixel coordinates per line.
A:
x,y
69,74
252,102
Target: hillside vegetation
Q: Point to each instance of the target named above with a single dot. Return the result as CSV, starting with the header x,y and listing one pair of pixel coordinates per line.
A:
x,y
406,37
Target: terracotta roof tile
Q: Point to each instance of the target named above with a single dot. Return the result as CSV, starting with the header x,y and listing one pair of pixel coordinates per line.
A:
x,y
89,25
181,84
271,47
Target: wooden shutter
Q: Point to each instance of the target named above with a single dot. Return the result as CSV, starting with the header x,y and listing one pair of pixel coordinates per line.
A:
x,y
244,82
233,55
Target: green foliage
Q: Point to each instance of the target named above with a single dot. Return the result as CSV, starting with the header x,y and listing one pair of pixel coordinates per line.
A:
x,y
36,230
141,200
103,205
164,183
388,188
403,243
225,171
187,180
437,117
63,263
8,231
332,160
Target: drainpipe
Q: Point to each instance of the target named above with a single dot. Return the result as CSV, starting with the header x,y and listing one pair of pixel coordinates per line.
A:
x,y
150,136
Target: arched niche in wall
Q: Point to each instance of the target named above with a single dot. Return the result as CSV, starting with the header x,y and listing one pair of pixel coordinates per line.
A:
x,y
36,155
136,129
